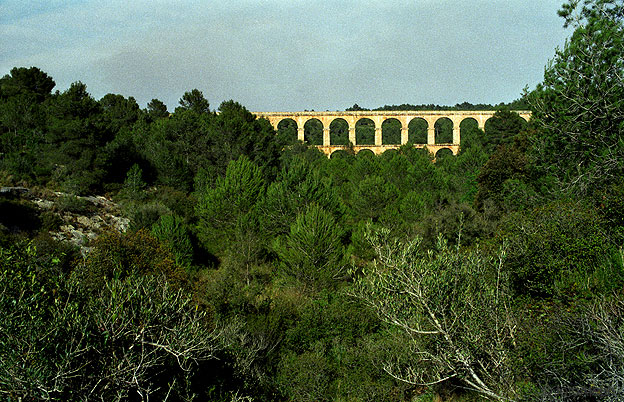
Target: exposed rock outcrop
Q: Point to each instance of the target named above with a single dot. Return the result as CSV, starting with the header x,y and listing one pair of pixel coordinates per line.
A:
x,y
82,219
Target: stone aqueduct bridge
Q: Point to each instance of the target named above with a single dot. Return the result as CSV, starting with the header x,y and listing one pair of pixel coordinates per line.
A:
x,y
378,117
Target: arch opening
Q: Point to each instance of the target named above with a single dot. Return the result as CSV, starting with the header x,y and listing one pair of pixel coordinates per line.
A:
x,y
391,132
417,131
287,131
443,131
365,153
365,132
313,132
389,153
470,133
339,132
443,153
339,154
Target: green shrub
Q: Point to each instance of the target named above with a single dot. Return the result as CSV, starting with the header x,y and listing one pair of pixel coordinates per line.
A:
x,y
83,183
305,377
312,252
573,354
66,254
179,202
610,204
50,221
134,186
224,209
143,216
136,335
73,204
117,255
36,324
555,250
452,306
172,231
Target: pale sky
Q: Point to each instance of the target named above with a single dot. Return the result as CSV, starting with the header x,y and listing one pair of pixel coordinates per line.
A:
x,y
287,55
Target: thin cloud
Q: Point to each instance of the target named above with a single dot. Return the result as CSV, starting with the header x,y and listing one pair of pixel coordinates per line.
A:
x,y
278,55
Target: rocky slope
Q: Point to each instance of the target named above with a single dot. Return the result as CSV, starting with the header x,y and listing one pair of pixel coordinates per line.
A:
x,y
76,219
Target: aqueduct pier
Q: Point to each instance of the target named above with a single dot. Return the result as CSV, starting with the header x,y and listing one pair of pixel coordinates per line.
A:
x,y
379,117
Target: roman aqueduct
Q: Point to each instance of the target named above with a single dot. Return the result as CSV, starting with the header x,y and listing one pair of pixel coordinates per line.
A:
x,y
379,117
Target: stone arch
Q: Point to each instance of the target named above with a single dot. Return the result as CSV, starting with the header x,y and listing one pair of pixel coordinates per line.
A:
x,y
391,132
365,131
365,152
469,131
468,123
417,131
287,130
389,153
443,131
339,153
487,123
313,132
339,132
443,153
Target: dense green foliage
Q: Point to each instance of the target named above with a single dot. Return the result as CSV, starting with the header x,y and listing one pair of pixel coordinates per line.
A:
x,y
134,336
580,105
256,268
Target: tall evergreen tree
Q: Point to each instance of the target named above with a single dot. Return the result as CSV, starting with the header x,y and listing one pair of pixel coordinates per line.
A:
x,y
579,108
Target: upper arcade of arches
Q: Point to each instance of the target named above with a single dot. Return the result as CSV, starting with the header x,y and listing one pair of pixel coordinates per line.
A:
x,y
378,118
